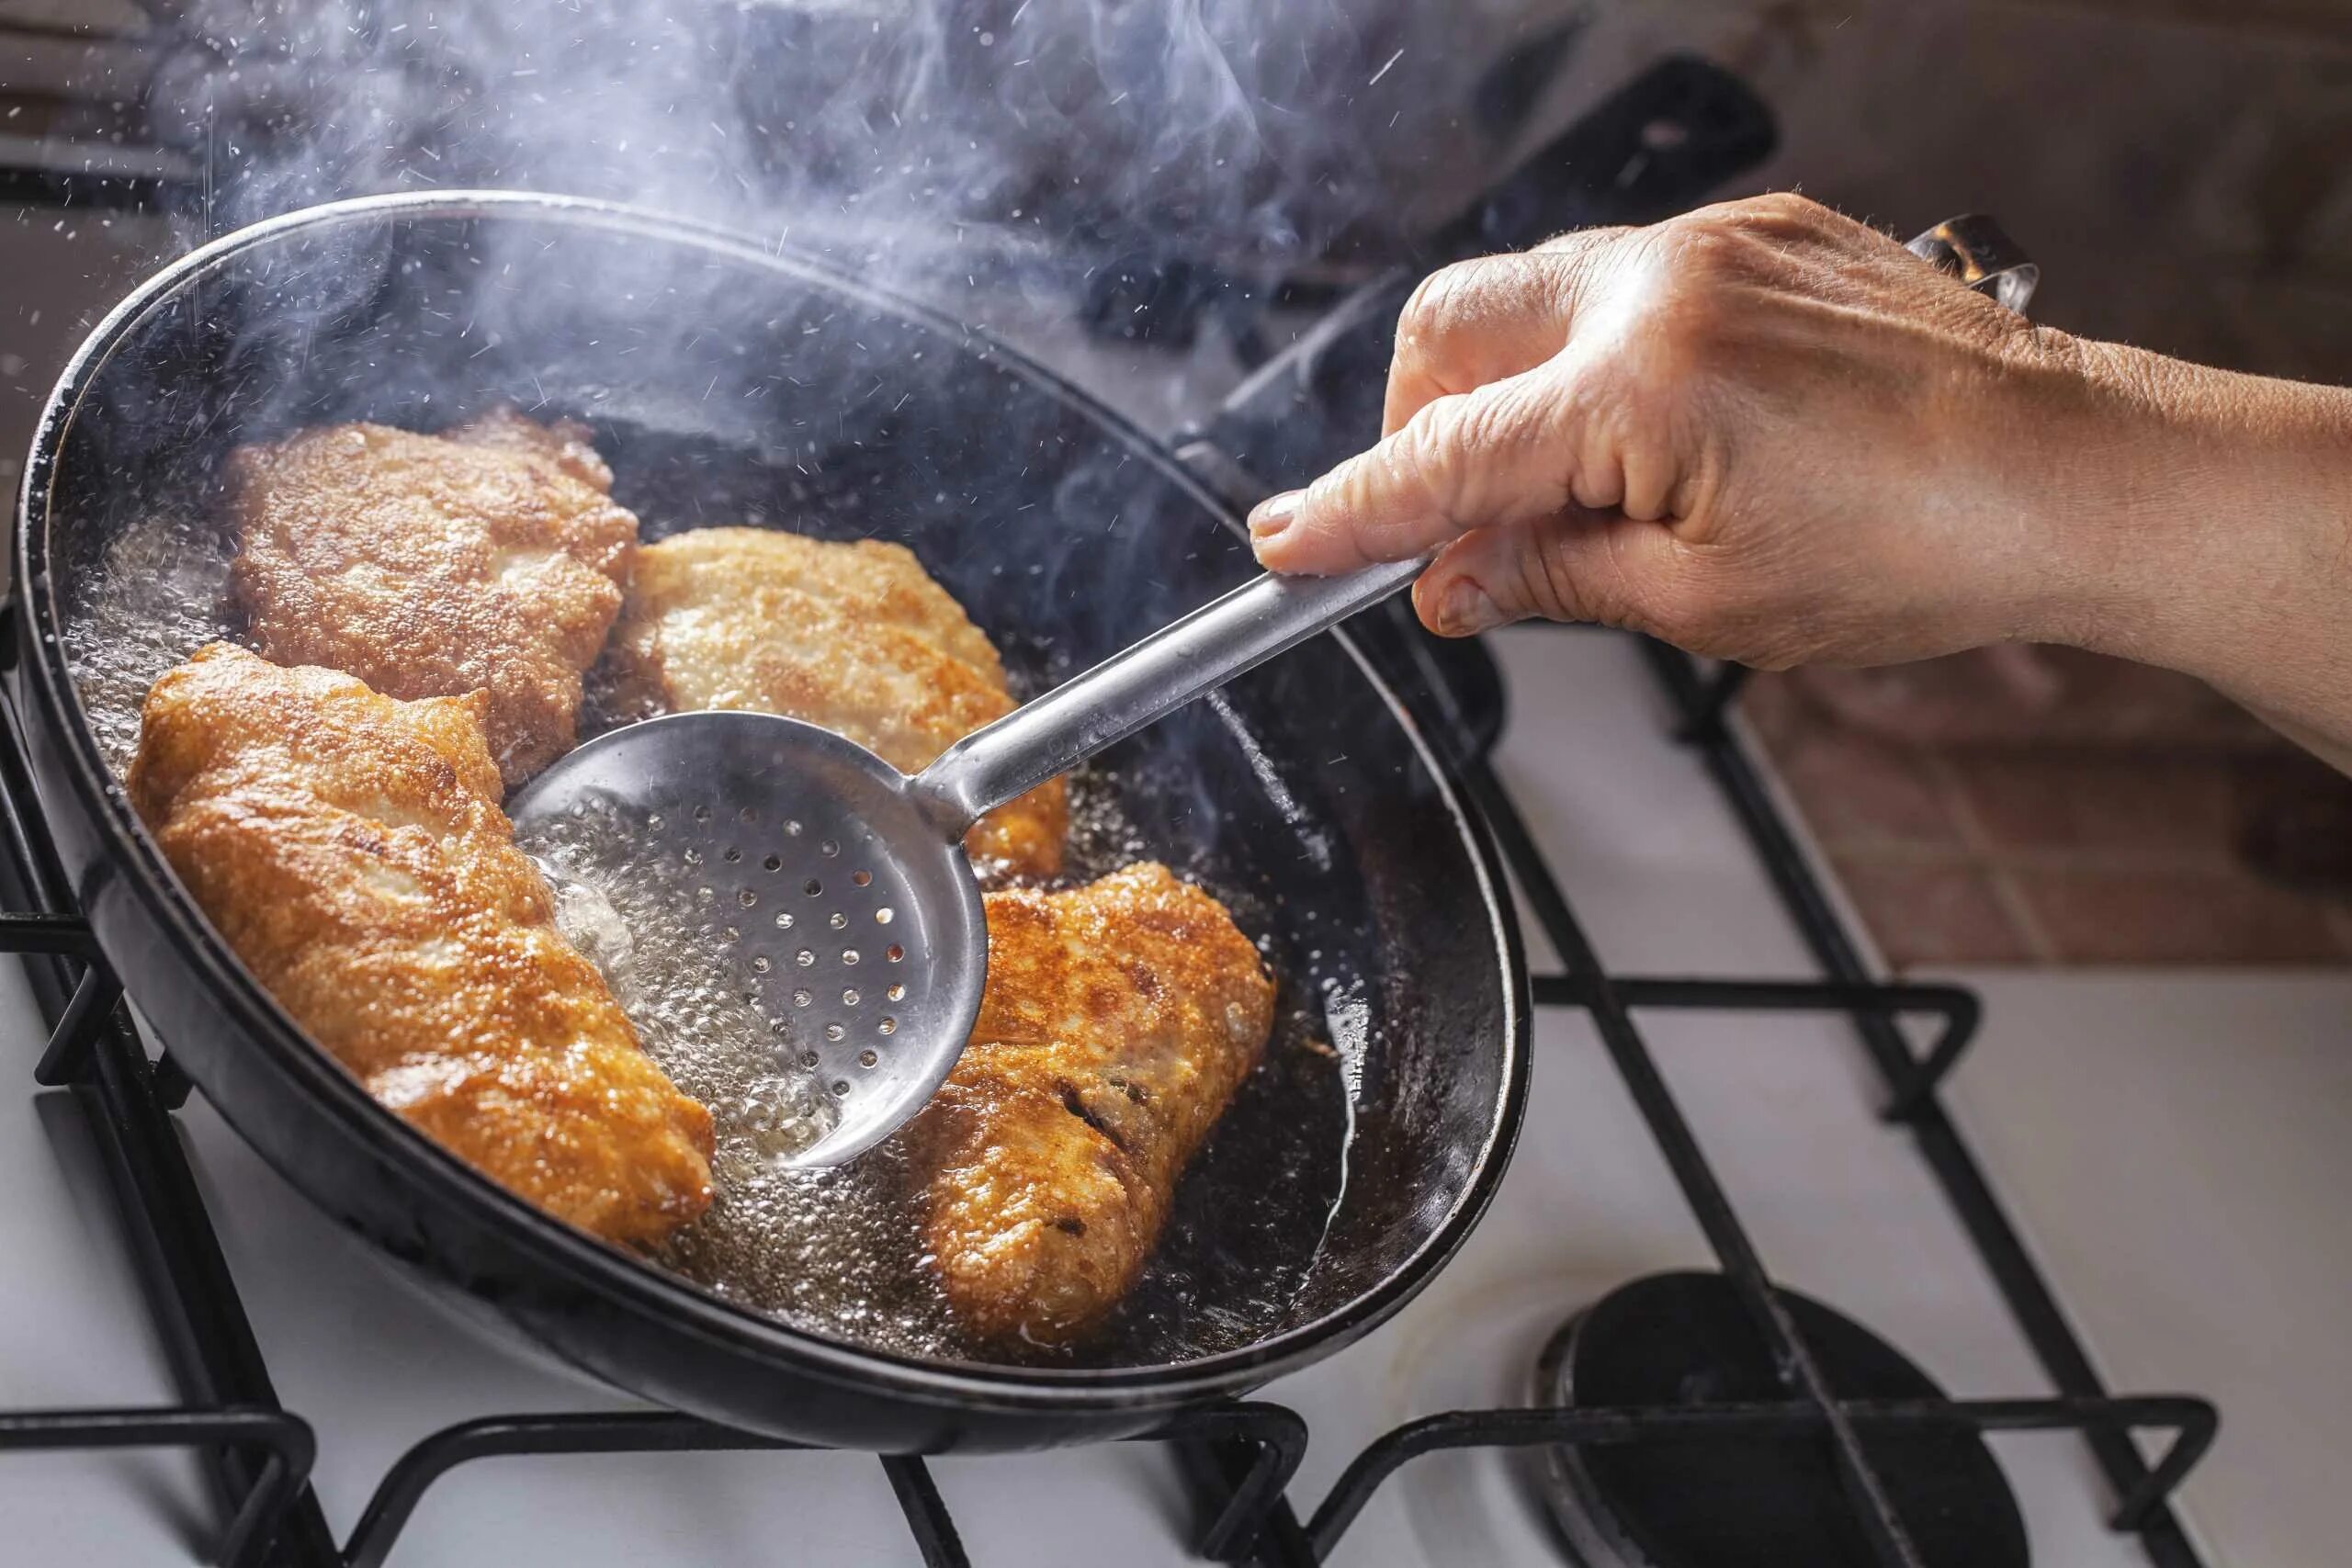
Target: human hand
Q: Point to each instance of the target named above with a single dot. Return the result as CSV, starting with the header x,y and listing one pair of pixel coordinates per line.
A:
x,y
1761,430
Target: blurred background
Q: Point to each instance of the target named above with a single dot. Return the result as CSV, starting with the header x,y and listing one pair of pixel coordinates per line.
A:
x,y
1191,177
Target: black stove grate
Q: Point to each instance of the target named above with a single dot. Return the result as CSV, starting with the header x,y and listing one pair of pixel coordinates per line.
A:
x,y
1240,1457
1812,1412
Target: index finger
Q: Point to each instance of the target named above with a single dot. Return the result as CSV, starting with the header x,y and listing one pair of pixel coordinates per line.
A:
x,y
1486,320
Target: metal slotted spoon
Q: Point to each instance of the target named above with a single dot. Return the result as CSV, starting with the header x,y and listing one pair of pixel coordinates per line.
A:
x,y
860,926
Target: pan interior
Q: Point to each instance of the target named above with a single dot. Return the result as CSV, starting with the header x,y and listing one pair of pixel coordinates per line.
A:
x,y
725,388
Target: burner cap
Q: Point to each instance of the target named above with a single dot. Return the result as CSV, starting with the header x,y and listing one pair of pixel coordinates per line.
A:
x,y
1732,1503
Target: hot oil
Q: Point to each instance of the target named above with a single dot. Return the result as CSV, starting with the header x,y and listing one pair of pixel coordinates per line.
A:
x,y
160,591
827,1250
839,1252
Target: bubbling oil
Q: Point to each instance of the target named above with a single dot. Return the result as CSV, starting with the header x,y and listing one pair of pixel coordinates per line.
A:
x,y
837,1252
160,591
827,1250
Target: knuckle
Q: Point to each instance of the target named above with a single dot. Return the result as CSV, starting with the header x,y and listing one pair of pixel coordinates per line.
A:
x,y
1786,210
1705,254
1440,304
1424,458
1483,424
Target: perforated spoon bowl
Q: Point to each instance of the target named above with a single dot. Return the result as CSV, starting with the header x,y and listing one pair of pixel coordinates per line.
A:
x,y
860,924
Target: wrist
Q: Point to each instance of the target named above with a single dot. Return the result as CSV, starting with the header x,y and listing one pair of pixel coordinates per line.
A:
x,y
2206,522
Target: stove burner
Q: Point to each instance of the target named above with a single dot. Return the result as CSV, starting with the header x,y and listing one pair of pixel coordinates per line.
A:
x,y
1686,1339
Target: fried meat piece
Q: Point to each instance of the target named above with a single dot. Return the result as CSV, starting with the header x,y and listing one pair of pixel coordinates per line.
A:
x,y
1119,1020
491,558
853,637
350,848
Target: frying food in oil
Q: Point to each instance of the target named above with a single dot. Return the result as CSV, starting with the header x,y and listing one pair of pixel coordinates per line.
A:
x,y
350,848
490,557
856,638
1119,1020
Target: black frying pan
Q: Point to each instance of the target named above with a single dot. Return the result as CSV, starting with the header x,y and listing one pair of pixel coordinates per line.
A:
x,y
727,384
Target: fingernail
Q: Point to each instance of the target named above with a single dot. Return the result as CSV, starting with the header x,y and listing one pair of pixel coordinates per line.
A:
x,y
1467,609
1274,514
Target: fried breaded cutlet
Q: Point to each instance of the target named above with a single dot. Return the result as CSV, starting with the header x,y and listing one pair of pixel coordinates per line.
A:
x,y
853,637
1118,1022
488,558
350,848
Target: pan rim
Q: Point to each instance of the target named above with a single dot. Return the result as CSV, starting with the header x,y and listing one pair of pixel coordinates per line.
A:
x,y
641,1286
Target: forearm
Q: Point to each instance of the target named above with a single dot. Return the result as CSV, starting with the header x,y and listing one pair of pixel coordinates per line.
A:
x,y
2223,545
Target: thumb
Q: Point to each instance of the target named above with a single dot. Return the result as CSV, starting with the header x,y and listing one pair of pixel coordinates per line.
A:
x,y
1575,566
1471,460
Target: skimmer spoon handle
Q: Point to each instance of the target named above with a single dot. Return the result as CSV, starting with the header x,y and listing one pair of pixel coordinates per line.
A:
x,y
1226,637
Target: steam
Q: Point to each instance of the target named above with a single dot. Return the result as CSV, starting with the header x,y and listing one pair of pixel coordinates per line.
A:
x,y
1262,133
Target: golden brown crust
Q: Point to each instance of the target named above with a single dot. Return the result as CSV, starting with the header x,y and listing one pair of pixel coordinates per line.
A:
x,y
490,557
1118,1022
853,637
350,850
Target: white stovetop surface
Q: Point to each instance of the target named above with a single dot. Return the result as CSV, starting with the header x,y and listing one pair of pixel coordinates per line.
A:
x,y
1835,1203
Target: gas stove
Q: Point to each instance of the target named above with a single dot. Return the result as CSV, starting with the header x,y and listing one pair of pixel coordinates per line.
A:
x,y
1590,1382
1744,1295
